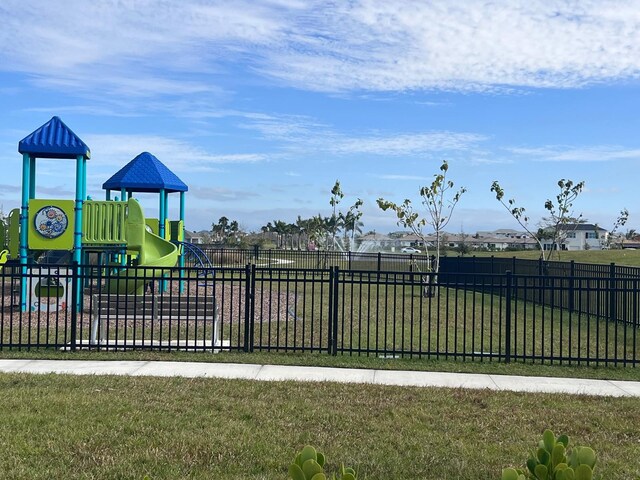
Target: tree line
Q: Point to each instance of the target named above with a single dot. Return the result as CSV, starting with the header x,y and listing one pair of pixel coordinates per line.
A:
x,y
339,229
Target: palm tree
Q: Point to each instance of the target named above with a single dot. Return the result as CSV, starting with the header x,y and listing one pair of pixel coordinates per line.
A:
x,y
351,222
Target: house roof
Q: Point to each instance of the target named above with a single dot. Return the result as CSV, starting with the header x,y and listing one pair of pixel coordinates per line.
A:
x,y
375,236
582,227
54,140
145,173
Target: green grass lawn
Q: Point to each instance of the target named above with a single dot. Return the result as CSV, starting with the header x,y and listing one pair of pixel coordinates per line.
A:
x,y
58,426
619,257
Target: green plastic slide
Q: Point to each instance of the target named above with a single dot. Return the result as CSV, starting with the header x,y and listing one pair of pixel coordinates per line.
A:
x,y
152,250
3,258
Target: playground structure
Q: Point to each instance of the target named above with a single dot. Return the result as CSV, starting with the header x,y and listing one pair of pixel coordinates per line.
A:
x,y
114,229
113,233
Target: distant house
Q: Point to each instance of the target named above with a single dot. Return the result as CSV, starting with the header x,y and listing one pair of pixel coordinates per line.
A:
x,y
486,242
633,242
377,240
502,233
581,236
193,237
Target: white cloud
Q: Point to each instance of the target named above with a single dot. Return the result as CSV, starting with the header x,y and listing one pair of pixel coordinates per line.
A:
x,y
304,133
177,154
220,194
473,45
159,47
401,177
561,153
406,144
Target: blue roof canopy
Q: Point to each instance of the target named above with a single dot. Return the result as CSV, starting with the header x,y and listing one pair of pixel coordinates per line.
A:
x,y
54,140
145,173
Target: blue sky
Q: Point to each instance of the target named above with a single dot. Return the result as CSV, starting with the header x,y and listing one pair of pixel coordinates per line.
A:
x,y
259,106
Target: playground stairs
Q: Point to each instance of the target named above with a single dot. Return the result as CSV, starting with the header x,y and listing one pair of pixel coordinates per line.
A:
x,y
143,315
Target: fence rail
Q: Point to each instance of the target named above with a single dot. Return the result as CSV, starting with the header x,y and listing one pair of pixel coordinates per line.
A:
x,y
467,314
357,260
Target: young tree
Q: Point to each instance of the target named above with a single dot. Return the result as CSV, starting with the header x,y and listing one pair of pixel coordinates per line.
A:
x,y
339,220
463,247
439,199
351,223
555,226
335,220
620,221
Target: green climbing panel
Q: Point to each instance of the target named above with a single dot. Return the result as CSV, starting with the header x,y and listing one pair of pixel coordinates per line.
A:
x,y
103,223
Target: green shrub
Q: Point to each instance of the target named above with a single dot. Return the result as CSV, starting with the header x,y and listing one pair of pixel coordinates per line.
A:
x,y
309,465
554,461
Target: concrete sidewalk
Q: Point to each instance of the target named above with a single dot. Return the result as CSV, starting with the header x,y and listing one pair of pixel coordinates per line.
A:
x,y
613,388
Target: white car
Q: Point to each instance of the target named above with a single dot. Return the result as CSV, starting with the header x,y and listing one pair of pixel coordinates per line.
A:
x,y
410,250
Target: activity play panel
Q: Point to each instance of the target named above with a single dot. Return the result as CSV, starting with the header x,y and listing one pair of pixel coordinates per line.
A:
x,y
51,224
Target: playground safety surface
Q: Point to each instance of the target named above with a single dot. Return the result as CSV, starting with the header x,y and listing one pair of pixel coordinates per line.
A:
x,y
577,386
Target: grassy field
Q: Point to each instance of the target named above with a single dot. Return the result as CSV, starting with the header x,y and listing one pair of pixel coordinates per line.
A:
x,y
619,257
114,427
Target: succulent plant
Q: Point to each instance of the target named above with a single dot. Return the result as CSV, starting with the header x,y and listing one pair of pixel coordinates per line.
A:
x,y
309,465
554,461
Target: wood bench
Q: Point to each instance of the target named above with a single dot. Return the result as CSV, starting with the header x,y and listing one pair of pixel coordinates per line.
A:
x,y
109,307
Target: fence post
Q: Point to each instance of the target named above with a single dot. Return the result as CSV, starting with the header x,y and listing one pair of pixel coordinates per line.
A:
x,y
572,274
256,252
333,310
507,314
541,281
349,260
612,294
379,262
249,284
76,292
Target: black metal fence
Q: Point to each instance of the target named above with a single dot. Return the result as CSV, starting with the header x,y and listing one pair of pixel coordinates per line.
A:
x,y
358,260
470,315
606,291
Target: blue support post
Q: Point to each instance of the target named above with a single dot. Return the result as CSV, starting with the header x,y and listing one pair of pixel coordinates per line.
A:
x,y
108,195
24,221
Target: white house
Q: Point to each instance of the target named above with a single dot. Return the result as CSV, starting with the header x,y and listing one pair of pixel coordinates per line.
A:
x,y
581,236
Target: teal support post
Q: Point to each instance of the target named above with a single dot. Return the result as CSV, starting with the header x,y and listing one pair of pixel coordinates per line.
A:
x,y
24,226
32,177
108,195
182,207
84,179
123,194
77,229
181,247
162,214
